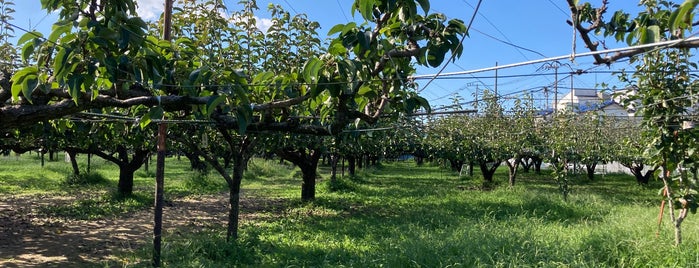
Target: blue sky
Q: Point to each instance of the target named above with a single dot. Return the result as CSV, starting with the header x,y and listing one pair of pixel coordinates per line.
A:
x,y
537,25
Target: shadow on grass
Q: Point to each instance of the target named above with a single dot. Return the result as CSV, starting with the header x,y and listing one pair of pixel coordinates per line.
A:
x,y
10,184
97,207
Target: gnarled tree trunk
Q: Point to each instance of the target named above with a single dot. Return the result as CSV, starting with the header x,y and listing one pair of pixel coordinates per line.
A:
x,y
307,161
488,171
636,169
512,167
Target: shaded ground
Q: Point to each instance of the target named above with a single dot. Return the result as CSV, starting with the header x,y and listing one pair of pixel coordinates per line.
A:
x,y
30,239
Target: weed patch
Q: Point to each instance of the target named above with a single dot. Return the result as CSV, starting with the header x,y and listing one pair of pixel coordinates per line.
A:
x,y
113,204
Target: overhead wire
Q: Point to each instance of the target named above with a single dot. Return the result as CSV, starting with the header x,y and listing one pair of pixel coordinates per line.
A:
x,y
460,45
418,77
292,7
444,75
550,59
342,10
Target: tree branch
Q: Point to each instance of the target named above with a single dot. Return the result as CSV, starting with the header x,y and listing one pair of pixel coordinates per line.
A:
x,y
585,32
16,116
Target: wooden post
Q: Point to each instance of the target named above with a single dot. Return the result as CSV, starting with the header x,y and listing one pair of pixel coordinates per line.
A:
x,y
160,162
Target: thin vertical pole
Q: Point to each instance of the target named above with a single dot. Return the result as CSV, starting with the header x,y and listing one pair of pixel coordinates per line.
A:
x,y
159,181
555,89
572,92
160,161
496,81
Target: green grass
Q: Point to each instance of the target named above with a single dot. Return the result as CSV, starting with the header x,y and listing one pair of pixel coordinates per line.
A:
x,y
400,215
24,176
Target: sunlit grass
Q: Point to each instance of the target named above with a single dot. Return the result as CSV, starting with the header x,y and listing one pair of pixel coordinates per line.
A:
x,y
398,215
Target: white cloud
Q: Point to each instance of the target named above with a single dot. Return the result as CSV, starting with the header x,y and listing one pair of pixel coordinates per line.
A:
x,y
150,9
263,24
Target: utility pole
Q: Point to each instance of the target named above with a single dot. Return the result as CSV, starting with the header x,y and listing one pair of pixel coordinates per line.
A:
x,y
552,65
555,89
160,168
496,81
572,92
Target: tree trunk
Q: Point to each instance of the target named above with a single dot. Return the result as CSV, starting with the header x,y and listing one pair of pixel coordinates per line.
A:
x,y
526,164
591,170
194,162
537,164
307,161
512,167
126,179
343,167
73,162
455,165
128,168
488,171
146,163
308,187
637,171
419,161
351,165
333,167
239,165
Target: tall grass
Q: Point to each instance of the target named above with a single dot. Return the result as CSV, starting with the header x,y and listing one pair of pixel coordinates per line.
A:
x,y
401,215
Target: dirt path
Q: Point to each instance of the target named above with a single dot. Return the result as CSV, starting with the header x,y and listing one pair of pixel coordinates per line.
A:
x,y
28,239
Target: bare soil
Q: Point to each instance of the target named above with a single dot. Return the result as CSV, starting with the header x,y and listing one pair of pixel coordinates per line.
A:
x,y
30,239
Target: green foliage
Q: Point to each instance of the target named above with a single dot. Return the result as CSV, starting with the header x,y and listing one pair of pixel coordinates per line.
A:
x,y
85,178
104,49
341,185
666,91
99,207
260,168
8,52
403,216
209,249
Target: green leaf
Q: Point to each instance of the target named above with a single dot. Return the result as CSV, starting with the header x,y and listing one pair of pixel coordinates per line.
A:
x,y
27,51
349,27
59,65
145,120
29,84
154,113
336,29
243,116
364,90
262,78
75,83
422,102
366,7
336,48
652,35
58,30
29,36
18,80
364,39
435,56
311,69
213,103
681,18
425,4
194,76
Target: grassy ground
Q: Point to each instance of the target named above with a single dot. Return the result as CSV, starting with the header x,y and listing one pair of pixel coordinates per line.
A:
x,y
400,215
